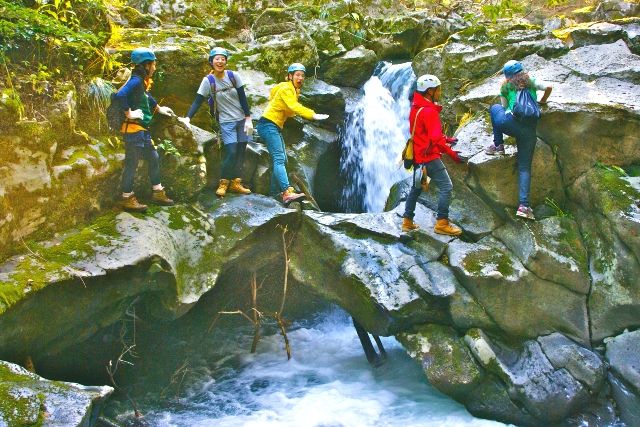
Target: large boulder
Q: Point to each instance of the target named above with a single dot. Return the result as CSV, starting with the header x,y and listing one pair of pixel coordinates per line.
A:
x,y
28,399
521,303
622,354
350,69
544,391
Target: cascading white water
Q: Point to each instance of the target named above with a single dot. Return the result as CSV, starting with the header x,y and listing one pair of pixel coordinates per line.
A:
x,y
374,136
328,382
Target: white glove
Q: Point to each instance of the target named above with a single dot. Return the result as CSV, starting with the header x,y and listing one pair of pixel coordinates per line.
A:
x,y
165,111
320,116
185,120
248,126
135,114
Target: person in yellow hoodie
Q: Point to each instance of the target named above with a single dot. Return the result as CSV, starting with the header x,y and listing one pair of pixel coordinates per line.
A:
x,y
283,103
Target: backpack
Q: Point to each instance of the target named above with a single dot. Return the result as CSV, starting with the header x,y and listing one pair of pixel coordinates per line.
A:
x,y
526,107
115,115
213,105
407,152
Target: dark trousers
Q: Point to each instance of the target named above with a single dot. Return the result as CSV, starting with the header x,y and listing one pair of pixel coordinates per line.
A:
x,y
525,134
439,176
138,146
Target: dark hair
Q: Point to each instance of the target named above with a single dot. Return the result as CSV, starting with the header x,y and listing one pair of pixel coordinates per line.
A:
x,y
141,69
518,81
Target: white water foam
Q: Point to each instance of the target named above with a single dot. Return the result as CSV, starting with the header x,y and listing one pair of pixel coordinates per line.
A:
x,y
328,382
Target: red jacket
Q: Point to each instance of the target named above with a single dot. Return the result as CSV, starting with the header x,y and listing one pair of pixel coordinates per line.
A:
x,y
428,140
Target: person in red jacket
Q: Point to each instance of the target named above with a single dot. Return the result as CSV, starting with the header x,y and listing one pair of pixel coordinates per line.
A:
x,y
428,145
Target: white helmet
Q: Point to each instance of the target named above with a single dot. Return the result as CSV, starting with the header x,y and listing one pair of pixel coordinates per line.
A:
x,y
427,82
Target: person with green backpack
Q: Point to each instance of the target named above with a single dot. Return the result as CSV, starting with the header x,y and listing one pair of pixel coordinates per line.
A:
x,y
228,105
517,115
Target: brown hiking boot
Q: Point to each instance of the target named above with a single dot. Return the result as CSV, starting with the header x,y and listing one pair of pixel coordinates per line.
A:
x,y
222,188
159,197
131,204
289,195
235,186
409,225
443,226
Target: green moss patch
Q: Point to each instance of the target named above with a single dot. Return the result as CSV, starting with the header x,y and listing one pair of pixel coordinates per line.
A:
x,y
476,263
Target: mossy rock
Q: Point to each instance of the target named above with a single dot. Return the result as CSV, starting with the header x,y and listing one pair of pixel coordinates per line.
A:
x,y
28,399
446,360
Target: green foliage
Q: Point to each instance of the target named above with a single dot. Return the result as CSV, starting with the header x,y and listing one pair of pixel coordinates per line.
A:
x,y
62,10
559,212
166,145
501,9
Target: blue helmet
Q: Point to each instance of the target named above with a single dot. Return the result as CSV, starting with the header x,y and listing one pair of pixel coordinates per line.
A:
x,y
142,54
218,51
511,68
296,66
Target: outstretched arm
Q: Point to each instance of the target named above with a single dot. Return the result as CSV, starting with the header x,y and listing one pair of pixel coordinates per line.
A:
x,y
545,96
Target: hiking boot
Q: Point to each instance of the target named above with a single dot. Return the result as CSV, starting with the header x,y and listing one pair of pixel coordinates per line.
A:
x,y
525,212
443,226
492,150
289,195
131,204
159,197
409,225
235,186
222,188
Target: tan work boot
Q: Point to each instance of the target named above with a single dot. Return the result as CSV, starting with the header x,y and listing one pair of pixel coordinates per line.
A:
x,y
289,195
409,225
222,188
131,204
159,197
235,186
443,226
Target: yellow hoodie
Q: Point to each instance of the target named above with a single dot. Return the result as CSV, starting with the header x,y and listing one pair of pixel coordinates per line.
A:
x,y
283,103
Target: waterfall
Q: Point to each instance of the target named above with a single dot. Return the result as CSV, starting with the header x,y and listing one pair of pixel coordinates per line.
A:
x,y
374,135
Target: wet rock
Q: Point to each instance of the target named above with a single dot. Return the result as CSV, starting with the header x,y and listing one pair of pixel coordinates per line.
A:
x,y
28,399
583,364
314,144
324,98
273,54
381,283
615,9
551,248
632,36
520,303
627,401
548,394
490,400
351,69
445,358
465,311
622,354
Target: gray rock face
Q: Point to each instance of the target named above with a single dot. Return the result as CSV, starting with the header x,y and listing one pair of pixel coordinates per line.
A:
x,y
351,69
582,364
547,393
627,401
520,303
591,33
28,399
622,354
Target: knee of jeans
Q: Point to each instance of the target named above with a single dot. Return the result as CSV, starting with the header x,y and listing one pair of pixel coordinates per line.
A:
x,y
495,108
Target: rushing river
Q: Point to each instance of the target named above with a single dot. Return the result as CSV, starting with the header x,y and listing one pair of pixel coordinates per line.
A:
x,y
328,382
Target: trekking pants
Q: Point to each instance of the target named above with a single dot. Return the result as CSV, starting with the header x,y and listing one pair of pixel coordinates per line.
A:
x,y
439,176
525,135
136,146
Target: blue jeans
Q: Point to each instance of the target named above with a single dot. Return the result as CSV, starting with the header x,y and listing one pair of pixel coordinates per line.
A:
x,y
525,135
136,146
270,133
439,176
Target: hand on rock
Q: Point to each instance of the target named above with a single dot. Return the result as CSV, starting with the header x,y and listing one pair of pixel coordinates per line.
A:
x,y
320,116
451,140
